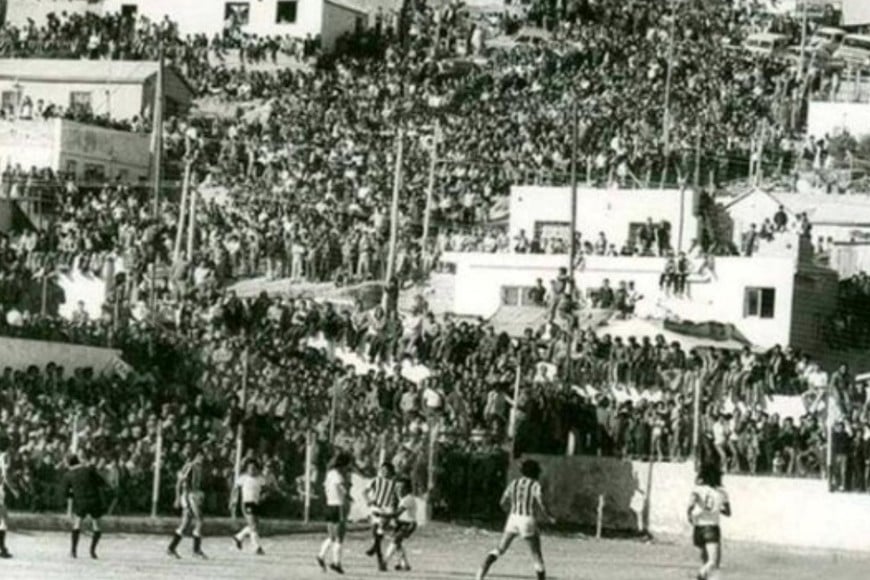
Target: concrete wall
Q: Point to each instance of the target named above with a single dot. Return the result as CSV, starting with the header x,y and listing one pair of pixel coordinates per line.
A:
x,y
783,511
119,100
481,277
28,143
337,21
118,152
604,210
207,17
826,118
815,301
55,143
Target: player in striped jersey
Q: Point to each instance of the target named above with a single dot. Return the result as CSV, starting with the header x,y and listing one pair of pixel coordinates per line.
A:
x,y
4,486
706,505
524,499
382,498
189,497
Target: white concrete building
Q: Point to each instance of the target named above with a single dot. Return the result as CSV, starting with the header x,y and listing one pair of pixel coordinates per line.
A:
x,y
90,153
119,89
546,211
328,19
778,297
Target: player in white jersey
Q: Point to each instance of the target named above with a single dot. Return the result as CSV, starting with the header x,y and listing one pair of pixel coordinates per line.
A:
x,y
4,486
250,487
337,492
406,524
525,500
706,506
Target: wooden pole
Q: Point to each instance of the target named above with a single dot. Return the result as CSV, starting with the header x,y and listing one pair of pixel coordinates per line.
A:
x,y
512,428
157,162
182,214
158,465
430,189
43,307
191,230
599,519
157,134
74,449
308,453
572,235
829,448
333,411
666,117
696,423
394,210
237,468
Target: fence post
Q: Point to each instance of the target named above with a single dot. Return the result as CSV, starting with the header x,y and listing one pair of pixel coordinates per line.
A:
x,y
158,465
307,512
599,519
74,448
696,422
430,472
237,467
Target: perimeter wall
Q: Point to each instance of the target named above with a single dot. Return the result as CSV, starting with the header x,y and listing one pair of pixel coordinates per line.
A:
x,y
771,510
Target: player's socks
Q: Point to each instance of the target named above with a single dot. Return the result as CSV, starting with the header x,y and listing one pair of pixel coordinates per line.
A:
x,y
487,564
176,539
4,553
95,539
74,547
541,575
336,568
197,545
322,563
324,549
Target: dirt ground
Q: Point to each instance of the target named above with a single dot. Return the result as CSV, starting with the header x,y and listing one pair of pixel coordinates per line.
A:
x,y
438,553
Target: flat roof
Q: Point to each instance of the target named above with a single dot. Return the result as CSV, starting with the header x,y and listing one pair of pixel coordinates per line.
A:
x,y
84,71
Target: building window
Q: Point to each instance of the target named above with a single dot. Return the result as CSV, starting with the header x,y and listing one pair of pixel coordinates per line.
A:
x,y
10,101
517,296
80,101
286,13
759,302
72,169
237,13
94,173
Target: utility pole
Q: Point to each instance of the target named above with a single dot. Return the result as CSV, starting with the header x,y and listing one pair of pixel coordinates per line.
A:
x,y
157,160
394,209
666,117
430,189
575,138
191,231
803,39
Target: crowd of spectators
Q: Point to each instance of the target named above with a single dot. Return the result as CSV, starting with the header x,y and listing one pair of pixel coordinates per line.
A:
x,y
304,194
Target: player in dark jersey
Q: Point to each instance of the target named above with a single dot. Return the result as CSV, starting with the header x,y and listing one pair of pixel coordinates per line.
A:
x,y
5,485
524,499
189,497
382,498
85,487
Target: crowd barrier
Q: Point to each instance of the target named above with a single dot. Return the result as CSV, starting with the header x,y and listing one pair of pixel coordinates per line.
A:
x,y
653,497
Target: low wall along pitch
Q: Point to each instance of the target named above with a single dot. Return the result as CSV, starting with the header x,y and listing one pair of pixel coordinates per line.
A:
x,y
654,496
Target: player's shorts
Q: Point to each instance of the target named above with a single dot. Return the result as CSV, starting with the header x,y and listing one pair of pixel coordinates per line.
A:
x,y
251,509
523,526
334,514
404,530
93,508
704,535
193,501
